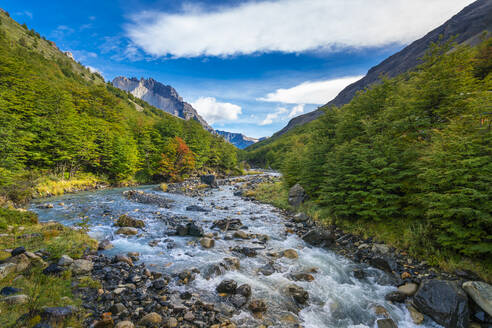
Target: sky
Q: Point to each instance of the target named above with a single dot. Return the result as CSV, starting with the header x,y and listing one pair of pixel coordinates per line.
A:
x,y
247,66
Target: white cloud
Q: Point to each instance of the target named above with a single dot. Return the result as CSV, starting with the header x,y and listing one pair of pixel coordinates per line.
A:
x,y
272,116
318,93
288,26
296,110
213,111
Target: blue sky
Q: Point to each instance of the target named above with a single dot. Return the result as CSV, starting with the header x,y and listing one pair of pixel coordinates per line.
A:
x,y
246,66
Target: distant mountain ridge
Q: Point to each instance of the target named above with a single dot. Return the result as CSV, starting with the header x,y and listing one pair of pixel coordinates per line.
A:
x,y
467,26
161,96
237,139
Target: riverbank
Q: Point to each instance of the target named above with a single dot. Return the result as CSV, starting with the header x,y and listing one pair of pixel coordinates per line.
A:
x,y
30,289
409,240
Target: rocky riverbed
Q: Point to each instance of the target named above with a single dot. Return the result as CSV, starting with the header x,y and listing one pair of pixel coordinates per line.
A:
x,y
208,257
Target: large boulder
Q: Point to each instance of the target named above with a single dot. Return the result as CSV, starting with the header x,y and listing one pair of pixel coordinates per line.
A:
x,y
297,195
443,301
129,231
227,286
209,179
126,221
80,267
386,264
318,238
481,293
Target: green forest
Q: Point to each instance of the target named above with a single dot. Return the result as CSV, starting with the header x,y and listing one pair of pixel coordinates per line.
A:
x,y
58,120
412,152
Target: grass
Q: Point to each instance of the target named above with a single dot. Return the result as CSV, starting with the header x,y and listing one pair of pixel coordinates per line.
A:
x,y
22,229
412,238
271,193
54,186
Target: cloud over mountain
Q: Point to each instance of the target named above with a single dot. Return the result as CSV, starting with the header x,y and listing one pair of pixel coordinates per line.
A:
x,y
287,26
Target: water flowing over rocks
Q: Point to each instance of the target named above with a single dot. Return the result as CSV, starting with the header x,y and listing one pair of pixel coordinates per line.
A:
x,y
244,264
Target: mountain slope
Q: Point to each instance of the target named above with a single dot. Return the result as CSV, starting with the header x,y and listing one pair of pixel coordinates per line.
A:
x,y
237,139
161,96
59,121
467,26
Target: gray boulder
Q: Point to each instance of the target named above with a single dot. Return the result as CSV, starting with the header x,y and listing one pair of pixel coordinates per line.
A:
x,y
443,301
481,293
209,179
318,238
297,195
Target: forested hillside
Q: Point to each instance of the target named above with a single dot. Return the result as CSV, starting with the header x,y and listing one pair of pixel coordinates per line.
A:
x,y
413,153
59,121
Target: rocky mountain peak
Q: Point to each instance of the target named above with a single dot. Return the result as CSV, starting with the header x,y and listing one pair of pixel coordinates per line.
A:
x,y
161,96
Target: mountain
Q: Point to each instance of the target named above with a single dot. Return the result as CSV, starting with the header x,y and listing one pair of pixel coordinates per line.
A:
x,y
467,26
237,139
161,96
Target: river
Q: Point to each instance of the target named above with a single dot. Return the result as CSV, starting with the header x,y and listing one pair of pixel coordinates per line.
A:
x,y
336,297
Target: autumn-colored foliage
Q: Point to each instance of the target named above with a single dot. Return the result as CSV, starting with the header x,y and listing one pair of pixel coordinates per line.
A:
x,y
177,159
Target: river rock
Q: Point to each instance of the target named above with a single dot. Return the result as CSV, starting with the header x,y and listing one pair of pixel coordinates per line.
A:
x,y
7,291
151,320
65,260
248,251
481,293
408,289
147,198
297,195
397,297
302,276
238,300
298,294
126,221
6,269
359,273
383,263
380,248
18,251
300,218
124,259
53,269
443,301
244,290
21,261
80,267
16,299
196,208
118,308
129,231
417,317
105,322
209,179
290,254
104,245
56,315
227,224
207,242
124,324
257,306
386,323
227,286
241,234
318,238
172,322
267,270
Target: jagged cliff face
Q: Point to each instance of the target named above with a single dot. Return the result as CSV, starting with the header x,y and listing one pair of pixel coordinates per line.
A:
x,y
161,96
467,26
237,139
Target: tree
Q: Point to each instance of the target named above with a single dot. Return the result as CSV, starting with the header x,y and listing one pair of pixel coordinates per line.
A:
x,y
177,160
